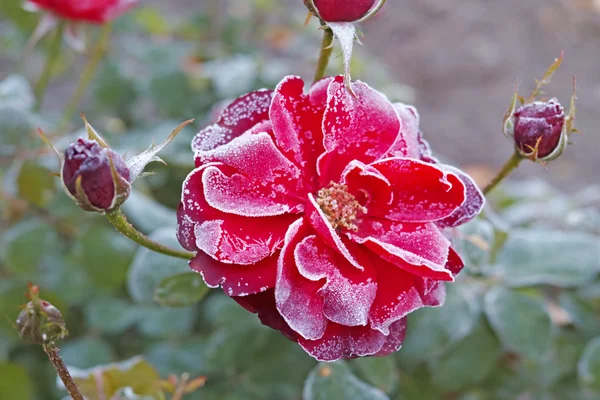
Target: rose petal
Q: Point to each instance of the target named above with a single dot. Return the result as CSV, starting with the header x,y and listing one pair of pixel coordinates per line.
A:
x,y
472,206
455,263
226,237
399,293
297,120
236,280
422,192
393,341
253,178
368,186
237,118
341,341
347,293
295,296
263,304
410,142
420,249
362,128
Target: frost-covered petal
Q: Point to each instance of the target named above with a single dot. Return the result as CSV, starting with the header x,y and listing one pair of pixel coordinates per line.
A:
x,y
263,304
369,186
226,237
472,206
236,280
252,178
422,192
393,341
347,292
237,118
297,122
341,341
410,142
455,263
399,293
295,296
359,128
420,249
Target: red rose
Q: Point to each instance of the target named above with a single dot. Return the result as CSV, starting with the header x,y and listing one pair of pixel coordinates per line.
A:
x,y
324,214
92,11
538,127
343,10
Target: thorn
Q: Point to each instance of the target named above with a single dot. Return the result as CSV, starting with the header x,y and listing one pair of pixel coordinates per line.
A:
x,y
308,17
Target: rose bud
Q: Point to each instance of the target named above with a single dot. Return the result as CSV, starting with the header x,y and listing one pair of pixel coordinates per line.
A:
x,y
538,128
96,176
40,322
342,10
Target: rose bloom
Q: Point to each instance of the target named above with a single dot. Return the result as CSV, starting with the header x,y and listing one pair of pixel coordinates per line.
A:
x,y
91,11
325,214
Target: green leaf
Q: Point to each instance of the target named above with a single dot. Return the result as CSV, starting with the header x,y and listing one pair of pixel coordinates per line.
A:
x,y
335,381
417,385
155,321
139,207
148,268
113,90
86,352
582,313
110,315
19,130
380,372
15,91
105,255
15,384
135,373
469,362
535,257
181,290
477,234
520,321
444,326
588,367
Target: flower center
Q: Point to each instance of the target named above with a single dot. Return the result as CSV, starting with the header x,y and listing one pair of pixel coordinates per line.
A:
x,y
340,207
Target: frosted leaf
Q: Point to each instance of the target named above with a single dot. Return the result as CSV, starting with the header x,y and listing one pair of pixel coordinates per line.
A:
x,y
16,92
296,297
418,248
347,292
345,33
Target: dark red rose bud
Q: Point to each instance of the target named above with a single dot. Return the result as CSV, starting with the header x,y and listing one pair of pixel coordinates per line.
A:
x,y
101,174
538,128
343,10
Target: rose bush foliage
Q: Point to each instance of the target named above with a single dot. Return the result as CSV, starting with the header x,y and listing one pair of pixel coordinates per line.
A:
x,y
325,214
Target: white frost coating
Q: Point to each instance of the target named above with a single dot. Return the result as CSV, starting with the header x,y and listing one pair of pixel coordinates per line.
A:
x,y
237,195
333,234
299,307
246,107
208,236
345,302
345,33
474,199
365,170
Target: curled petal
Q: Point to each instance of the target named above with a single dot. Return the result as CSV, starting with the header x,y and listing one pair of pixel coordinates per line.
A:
x,y
296,297
359,128
422,192
237,118
226,237
420,249
470,208
296,119
236,280
393,341
341,341
252,178
347,293
399,293
369,186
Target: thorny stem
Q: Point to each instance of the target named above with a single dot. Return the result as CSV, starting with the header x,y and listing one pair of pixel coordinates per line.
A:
x,y
326,50
52,352
53,55
119,221
512,163
97,53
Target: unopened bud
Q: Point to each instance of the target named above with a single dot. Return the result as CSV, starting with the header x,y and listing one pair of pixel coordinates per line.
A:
x,y
538,128
343,10
40,322
95,176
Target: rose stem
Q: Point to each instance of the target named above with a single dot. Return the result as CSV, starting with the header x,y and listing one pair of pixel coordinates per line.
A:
x,y
52,352
89,71
512,163
326,49
46,75
117,218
